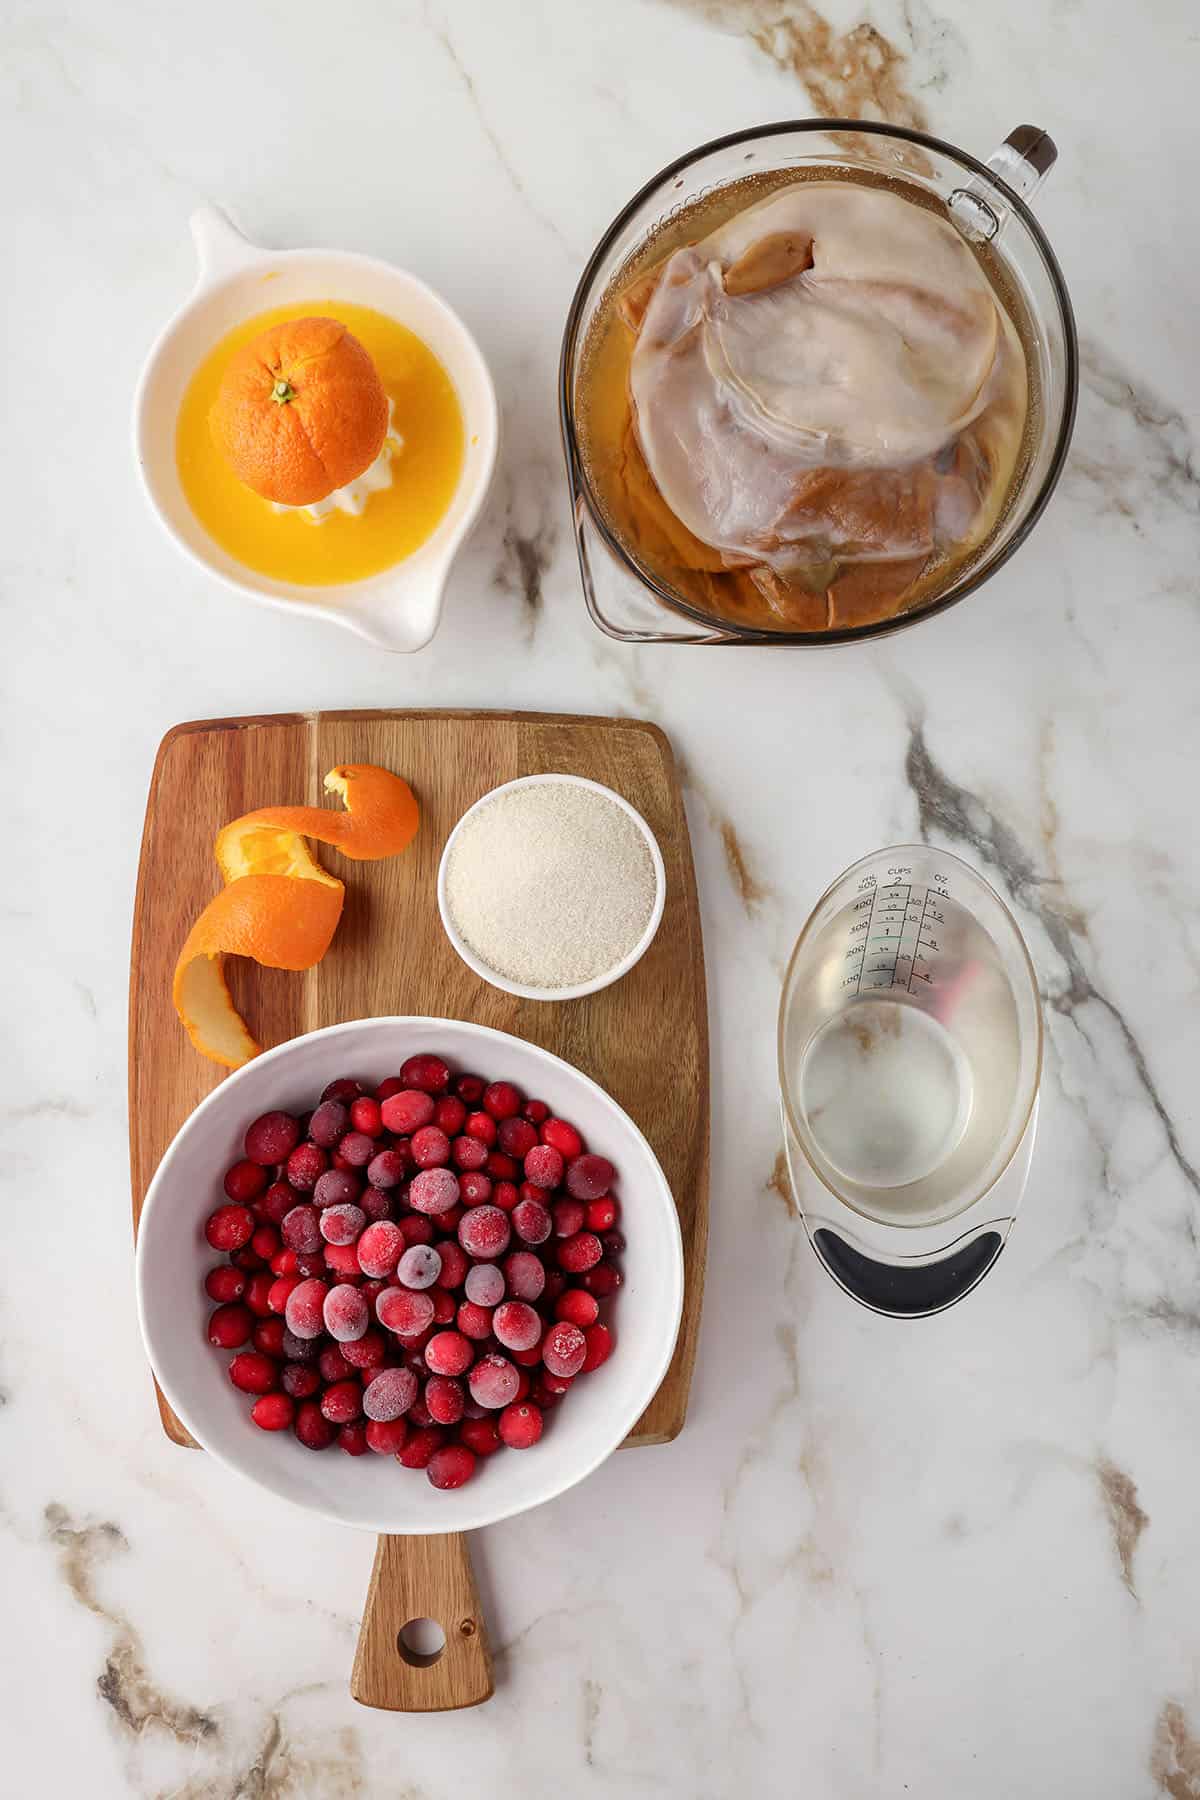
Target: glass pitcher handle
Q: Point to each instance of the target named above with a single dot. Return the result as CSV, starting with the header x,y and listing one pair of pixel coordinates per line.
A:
x,y
1022,163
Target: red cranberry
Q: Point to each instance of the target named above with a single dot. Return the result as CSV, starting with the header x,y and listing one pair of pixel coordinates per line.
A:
x,y
230,1227
601,1215
333,1365
273,1412
417,1229
484,1232
589,1176
265,1242
245,1181
493,1381
246,1258
336,1187
450,1466
469,1089
341,1224
376,1204
520,1425
599,1342
482,1126
454,1267
387,1169
450,1115
562,1137
366,1117
544,1166
612,1243
555,1384
443,1305
299,1380
386,1436
328,1123
449,1353
577,1308
419,1414
578,1253
449,1220
356,1149
225,1282
284,1262
342,1402
268,1336
272,1138
253,1372
444,1399
312,1427
304,1310
474,1187
501,1167
433,1190
564,1348
404,1311
258,1293
517,1137
344,1089
474,1321
346,1313
505,1194
430,1147
230,1326
468,1153
480,1435
385,1090
526,1359
311,1266
531,1221
407,1112
337,1161
602,1281
366,1352
305,1167
536,1111
301,1229
429,1073
525,1275
277,1202
419,1447
380,1248
298,1349
568,1216
502,1100
352,1438
516,1325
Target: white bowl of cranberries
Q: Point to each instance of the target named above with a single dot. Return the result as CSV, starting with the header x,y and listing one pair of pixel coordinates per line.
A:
x,y
412,1274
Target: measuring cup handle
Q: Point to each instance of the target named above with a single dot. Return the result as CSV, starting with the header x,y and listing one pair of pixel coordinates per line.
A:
x,y
907,1291
1024,159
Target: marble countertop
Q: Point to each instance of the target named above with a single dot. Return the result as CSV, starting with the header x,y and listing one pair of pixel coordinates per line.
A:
x,y
952,1559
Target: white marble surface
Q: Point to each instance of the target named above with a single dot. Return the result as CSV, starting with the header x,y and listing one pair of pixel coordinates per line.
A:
x,y
957,1559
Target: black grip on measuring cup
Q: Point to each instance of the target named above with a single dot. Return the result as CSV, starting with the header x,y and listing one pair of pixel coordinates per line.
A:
x,y
913,1291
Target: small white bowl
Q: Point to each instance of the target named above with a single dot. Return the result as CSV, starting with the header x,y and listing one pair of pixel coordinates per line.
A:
x,y
372,1492
493,976
399,608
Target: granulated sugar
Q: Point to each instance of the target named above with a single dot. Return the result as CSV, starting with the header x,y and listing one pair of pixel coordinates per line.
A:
x,y
550,885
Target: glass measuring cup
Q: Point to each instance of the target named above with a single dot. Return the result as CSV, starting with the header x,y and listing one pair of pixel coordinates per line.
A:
x,y
630,600
910,1054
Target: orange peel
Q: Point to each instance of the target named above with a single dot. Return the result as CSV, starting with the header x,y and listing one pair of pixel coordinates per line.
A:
x,y
279,906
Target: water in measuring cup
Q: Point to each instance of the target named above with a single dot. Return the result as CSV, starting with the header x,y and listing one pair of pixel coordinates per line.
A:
x,y
886,1092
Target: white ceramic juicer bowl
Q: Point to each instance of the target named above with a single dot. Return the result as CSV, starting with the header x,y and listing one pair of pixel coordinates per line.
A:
x,y
398,609
374,1492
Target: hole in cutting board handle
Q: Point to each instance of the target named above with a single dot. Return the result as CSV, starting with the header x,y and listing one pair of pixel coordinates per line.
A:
x,y
421,1643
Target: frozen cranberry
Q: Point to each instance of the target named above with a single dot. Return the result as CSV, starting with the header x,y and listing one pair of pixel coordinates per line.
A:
x,y
430,1147
419,1414
404,1311
385,1090
525,1275
568,1216
485,1284
520,1425
589,1176
484,1232
473,1410
480,1435
342,1402
342,1261
601,1215
246,1181
612,1243
380,1248
474,1321
501,1167
450,1115
407,1112
544,1166
230,1227
429,1073
329,1122
253,1372
230,1326
474,1187
564,1348
341,1224
387,1170
284,1262
448,1353
433,1190
556,1385
469,1089
268,1336
298,1349
312,1427
376,1204
417,1229
536,1111
225,1282
419,1447
365,1116
356,1149
301,1229
504,1193
345,1089
336,1187
531,1221
517,1137
246,1258
482,1127
502,1100
337,1161
454,1266
451,1466
333,1365
386,1436
516,1325
419,1267
449,1220
577,1308
583,1251
493,1381
346,1313
367,1351
352,1438
599,1340
562,1137
527,1359
265,1241
305,1167
277,1202
602,1281
444,1399
299,1380
468,1153
272,1138
304,1309
273,1412
444,1305
258,1292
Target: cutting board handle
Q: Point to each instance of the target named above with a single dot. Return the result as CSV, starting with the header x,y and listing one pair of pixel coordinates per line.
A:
x,y
422,1578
